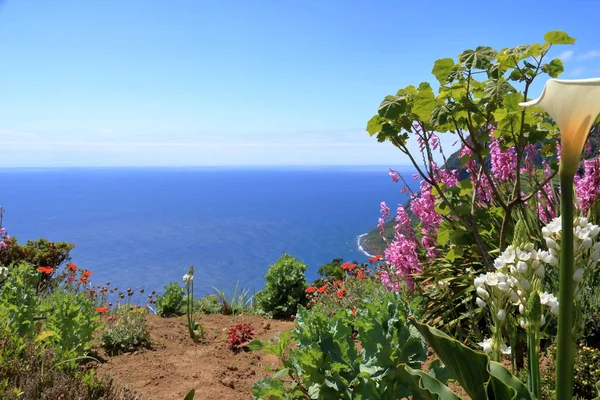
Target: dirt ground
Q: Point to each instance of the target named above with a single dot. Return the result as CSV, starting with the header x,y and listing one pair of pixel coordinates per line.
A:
x,y
176,364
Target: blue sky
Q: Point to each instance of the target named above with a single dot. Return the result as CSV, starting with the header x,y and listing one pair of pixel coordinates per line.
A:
x,y
173,82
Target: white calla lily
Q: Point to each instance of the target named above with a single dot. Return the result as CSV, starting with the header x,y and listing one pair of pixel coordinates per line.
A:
x,y
573,105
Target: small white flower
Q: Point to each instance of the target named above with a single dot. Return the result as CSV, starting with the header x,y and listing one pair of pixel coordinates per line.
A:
x,y
514,298
504,286
551,243
480,302
540,271
3,272
525,284
542,320
554,308
595,255
586,243
499,263
552,260
578,275
521,309
479,281
187,278
523,323
486,345
522,267
481,292
501,315
504,349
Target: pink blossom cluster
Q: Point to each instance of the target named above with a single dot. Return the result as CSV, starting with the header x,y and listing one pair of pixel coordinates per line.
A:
x,y
503,163
480,182
3,235
546,203
587,186
401,253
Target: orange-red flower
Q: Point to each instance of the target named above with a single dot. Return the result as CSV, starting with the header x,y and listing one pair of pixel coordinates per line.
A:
x,y
70,278
341,293
45,270
83,279
322,289
86,273
375,258
348,266
101,309
354,311
338,283
310,289
72,267
361,274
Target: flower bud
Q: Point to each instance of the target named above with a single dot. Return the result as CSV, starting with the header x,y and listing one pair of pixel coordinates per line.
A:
x,y
501,315
481,292
480,302
578,275
522,267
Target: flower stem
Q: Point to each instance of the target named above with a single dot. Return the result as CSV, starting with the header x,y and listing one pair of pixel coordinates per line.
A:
x,y
565,345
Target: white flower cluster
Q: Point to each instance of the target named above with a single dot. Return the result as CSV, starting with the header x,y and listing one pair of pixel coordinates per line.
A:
x,y
3,272
585,246
511,283
187,278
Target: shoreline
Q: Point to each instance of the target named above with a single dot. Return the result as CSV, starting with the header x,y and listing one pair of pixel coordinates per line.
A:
x,y
359,243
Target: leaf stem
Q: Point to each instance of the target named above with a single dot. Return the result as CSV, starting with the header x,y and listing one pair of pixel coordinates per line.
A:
x,y
565,345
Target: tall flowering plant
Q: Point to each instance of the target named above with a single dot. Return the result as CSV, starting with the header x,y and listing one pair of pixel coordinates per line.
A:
x,y
195,328
574,106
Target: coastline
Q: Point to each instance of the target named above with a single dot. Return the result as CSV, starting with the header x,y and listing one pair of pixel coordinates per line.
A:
x,y
359,243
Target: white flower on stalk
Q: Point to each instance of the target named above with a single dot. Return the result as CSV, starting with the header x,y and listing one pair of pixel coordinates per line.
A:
x,y
540,271
522,267
574,106
486,345
578,275
187,278
479,281
480,302
504,349
481,292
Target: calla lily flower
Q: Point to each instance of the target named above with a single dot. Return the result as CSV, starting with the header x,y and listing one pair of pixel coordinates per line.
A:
x,y
573,105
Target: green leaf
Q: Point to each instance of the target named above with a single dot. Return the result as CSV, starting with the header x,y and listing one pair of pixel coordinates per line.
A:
x,y
392,106
190,395
480,377
424,386
554,68
439,371
442,69
558,37
480,58
495,90
374,125
443,235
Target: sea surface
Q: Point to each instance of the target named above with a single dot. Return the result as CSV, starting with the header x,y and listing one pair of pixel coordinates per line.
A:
x,y
143,227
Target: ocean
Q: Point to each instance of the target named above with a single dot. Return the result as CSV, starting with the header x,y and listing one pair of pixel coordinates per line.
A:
x,y
144,227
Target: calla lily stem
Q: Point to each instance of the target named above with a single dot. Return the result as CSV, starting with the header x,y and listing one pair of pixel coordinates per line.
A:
x,y
565,345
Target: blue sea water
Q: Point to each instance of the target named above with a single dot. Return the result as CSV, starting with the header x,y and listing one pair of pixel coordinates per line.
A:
x,y
143,227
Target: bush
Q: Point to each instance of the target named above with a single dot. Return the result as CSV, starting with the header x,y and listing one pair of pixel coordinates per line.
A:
x,y
284,288
19,303
36,252
349,355
209,304
171,303
125,330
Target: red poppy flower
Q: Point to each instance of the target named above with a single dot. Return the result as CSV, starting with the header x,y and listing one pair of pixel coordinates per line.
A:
x,y
310,289
70,278
322,289
101,309
83,279
338,283
72,267
341,293
86,273
348,266
45,270
375,258
354,311
361,274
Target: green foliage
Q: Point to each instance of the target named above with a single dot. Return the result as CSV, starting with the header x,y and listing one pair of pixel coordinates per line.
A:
x,y
41,252
328,363
284,288
71,317
19,303
239,302
332,270
172,302
126,330
209,304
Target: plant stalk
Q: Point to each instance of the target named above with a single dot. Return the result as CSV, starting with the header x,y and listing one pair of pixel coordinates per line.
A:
x,y
565,345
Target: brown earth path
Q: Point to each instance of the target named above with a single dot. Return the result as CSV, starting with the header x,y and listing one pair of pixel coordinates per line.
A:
x,y
176,364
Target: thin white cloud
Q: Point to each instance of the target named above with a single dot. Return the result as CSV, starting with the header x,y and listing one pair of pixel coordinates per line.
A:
x,y
588,55
9,133
565,55
575,72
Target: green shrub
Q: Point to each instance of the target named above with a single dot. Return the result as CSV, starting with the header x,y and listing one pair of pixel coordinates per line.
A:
x,y
172,302
332,270
349,355
126,330
41,252
209,304
19,303
285,288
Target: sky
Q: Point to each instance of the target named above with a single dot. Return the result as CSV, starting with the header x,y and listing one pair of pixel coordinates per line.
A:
x,y
240,82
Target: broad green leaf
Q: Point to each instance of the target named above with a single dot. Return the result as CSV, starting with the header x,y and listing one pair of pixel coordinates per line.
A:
x,y
392,106
480,377
480,58
374,124
558,37
554,68
424,386
443,235
424,107
495,90
442,69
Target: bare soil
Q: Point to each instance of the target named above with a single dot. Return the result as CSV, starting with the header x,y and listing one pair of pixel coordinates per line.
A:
x,y
176,364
